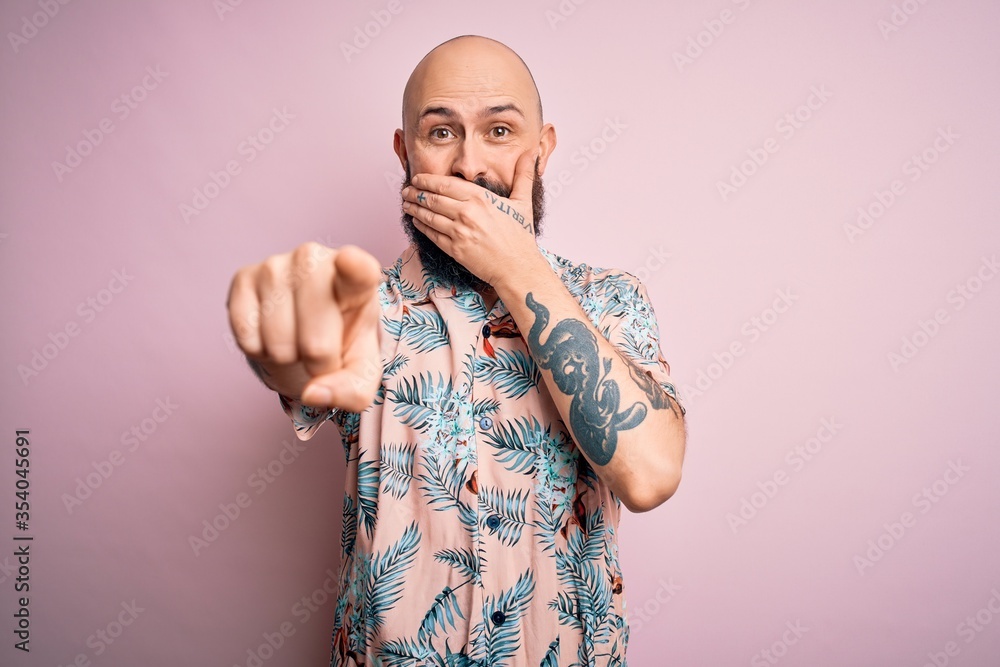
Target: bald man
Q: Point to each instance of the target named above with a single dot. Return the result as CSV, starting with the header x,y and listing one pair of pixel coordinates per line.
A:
x,y
497,402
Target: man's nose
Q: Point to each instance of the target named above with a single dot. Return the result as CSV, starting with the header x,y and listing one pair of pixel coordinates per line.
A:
x,y
470,161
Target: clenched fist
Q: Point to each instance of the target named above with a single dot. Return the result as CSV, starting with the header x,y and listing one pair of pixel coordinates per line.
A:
x,y
309,321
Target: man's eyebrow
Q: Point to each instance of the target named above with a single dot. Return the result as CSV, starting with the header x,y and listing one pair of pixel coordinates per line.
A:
x,y
493,111
436,111
488,111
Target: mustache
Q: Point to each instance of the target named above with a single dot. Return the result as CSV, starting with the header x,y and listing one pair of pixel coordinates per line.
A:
x,y
441,266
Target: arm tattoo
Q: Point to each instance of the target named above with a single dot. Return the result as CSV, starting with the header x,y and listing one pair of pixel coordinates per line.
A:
x,y
505,207
570,351
658,398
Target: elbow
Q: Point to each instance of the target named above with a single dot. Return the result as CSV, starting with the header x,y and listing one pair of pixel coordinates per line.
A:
x,y
652,492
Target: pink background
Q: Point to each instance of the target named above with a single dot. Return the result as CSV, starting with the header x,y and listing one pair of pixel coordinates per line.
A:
x,y
702,590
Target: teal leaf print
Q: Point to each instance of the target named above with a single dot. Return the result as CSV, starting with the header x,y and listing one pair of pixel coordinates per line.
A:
x,y
635,347
388,371
368,483
566,607
404,653
424,330
485,406
510,507
392,327
501,641
385,584
513,373
395,365
443,611
349,423
548,523
397,468
442,487
511,439
551,658
350,533
462,560
417,404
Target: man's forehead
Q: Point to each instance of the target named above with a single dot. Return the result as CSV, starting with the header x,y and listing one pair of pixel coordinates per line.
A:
x,y
469,77
470,107
465,92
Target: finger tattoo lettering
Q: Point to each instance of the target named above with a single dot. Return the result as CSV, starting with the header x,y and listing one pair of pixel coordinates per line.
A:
x,y
506,208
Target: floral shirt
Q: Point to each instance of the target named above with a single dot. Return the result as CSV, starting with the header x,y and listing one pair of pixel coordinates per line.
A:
x,y
475,532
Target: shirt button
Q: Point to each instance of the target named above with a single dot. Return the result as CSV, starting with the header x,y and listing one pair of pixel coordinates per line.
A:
x,y
486,331
485,423
493,521
499,617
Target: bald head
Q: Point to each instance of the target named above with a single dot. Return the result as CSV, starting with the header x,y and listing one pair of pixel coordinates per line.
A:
x,y
472,68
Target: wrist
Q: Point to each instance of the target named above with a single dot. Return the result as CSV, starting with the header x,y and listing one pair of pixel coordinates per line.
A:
x,y
523,276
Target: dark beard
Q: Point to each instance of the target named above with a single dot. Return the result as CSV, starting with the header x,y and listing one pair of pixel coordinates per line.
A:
x,y
441,266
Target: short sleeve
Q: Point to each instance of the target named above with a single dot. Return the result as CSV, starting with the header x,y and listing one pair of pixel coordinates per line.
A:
x,y
629,323
305,418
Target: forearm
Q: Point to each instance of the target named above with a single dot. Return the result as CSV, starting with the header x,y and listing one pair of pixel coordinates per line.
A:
x,y
630,430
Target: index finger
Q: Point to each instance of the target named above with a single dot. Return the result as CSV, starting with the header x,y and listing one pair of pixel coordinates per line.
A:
x,y
448,186
357,275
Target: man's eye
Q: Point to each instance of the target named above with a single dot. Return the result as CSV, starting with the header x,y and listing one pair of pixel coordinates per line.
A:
x,y
437,133
503,132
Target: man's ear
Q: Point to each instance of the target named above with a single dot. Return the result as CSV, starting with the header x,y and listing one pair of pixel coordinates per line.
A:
x,y
546,144
399,146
